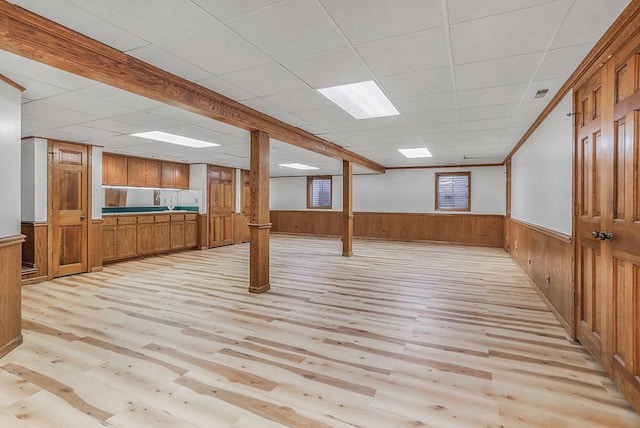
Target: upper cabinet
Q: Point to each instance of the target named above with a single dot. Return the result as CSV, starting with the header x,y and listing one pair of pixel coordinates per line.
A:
x,y
114,170
175,175
143,172
118,170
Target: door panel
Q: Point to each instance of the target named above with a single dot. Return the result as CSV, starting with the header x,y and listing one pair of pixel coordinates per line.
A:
x,y
246,204
222,199
69,208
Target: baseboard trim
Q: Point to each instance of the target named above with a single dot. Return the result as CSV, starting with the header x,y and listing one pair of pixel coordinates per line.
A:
x,y
10,346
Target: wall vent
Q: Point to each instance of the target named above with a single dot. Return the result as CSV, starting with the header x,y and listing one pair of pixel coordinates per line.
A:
x,y
540,93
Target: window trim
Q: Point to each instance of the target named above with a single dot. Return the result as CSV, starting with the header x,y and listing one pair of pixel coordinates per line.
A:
x,y
310,191
437,180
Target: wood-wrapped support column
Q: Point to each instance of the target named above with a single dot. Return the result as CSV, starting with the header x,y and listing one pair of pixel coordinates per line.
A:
x,y
259,221
347,208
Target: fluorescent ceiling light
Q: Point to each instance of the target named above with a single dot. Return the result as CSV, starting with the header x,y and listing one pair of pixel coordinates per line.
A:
x,y
174,139
297,166
362,100
421,152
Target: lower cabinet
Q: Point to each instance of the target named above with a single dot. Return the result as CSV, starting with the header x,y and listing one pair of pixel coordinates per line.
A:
x,y
128,236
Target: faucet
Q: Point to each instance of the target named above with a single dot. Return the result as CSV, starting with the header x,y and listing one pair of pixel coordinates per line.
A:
x,y
172,202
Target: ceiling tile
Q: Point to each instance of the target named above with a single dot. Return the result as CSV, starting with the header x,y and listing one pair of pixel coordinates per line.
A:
x,y
84,104
490,112
560,63
497,72
486,124
367,20
34,90
169,62
216,49
265,80
78,19
223,128
587,21
119,96
320,116
420,83
491,96
405,54
31,124
115,126
49,111
289,29
263,106
147,120
298,101
500,36
467,10
440,116
334,68
228,89
86,133
163,20
225,9
42,73
178,114
426,103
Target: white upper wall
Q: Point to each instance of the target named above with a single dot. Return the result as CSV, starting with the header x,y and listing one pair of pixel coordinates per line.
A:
x,y
541,172
97,194
33,172
10,147
404,190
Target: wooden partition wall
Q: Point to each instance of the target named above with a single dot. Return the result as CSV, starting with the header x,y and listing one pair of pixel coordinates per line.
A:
x,y
10,293
468,229
35,251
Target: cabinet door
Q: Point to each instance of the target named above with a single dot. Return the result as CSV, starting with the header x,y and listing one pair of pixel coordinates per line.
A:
x,y
190,234
135,172
109,243
114,170
177,235
162,237
126,240
182,176
168,178
152,173
145,236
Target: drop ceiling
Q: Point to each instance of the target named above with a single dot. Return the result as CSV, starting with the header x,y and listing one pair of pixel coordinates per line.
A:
x,y
462,75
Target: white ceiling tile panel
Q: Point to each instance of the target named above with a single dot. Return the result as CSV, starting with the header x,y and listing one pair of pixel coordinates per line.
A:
x,y
500,36
334,68
490,112
491,96
118,96
368,20
216,49
225,9
34,90
497,72
86,133
84,104
587,21
439,116
152,22
467,10
265,80
42,73
321,116
289,29
78,19
263,106
50,111
169,62
32,124
309,99
426,103
178,114
560,63
116,127
405,54
147,120
420,83
228,89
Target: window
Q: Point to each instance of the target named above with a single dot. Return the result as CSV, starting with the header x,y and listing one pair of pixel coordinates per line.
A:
x,y
319,192
453,191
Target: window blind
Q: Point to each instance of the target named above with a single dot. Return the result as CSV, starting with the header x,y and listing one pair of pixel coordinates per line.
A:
x,y
453,191
321,192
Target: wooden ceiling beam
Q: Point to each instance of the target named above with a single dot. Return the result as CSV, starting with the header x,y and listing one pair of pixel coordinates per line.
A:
x,y
37,38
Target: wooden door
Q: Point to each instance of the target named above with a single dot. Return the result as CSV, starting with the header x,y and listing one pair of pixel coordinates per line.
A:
x,y
590,295
222,198
608,221
69,208
623,222
246,204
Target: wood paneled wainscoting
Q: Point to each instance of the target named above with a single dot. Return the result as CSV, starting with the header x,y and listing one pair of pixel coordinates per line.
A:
x,y
547,258
35,251
468,229
10,293
95,246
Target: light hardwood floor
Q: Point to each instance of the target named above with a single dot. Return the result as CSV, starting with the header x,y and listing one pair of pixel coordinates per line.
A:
x,y
400,335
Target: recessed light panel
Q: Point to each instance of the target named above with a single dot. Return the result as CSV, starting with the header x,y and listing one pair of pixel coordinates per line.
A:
x,y
420,152
362,100
297,166
174,139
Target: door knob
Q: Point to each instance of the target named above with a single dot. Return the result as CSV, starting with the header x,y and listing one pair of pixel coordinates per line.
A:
x,y
595,234
602,235
83,217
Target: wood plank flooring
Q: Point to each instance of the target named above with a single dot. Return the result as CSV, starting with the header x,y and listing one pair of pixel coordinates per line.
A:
x,y
400,335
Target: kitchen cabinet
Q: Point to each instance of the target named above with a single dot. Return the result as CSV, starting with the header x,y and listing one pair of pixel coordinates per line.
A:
x,y
127,236
143,172
175,175
114,170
